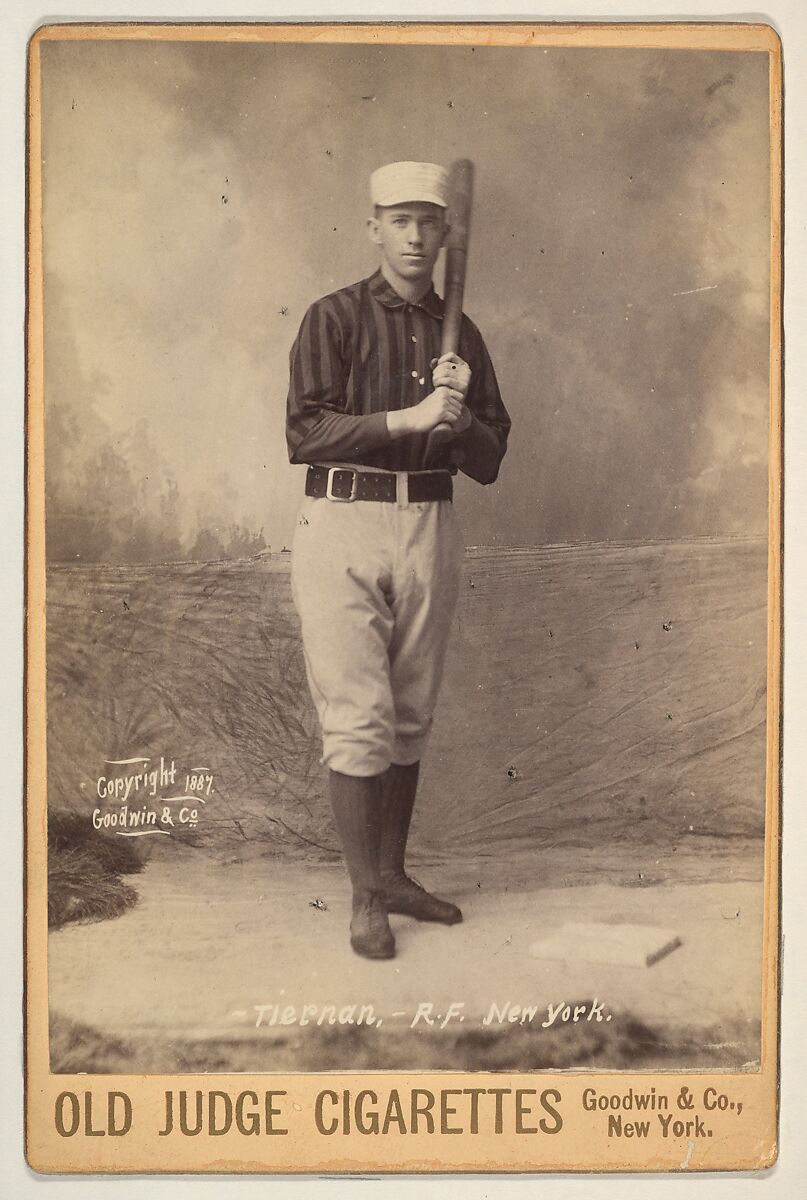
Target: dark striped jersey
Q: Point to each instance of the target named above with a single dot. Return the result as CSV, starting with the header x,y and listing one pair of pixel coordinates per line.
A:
x,y
363,351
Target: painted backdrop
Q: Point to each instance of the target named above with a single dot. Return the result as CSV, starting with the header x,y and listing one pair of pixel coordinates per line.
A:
x,y
199,197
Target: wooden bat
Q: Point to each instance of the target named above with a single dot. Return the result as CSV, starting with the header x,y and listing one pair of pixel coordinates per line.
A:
x,y
460,198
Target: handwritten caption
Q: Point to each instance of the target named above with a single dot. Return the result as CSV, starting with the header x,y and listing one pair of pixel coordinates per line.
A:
x,y
428,1014
139,797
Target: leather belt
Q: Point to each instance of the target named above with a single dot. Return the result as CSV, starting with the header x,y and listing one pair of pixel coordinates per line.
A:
x,y
344,484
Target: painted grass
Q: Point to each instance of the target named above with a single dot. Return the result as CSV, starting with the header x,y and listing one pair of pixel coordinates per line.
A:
x,y
84,873
594,695
625,1043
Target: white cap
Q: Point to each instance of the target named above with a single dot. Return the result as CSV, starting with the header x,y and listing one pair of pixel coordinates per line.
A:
x,y
405,182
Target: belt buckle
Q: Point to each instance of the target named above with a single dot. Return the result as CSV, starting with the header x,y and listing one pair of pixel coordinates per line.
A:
x,y
329,494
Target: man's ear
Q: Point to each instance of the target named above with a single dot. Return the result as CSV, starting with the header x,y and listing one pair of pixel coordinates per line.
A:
x,y
446,232
373,231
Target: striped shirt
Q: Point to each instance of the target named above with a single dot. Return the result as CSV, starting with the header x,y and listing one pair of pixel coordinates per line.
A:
x,y
363,351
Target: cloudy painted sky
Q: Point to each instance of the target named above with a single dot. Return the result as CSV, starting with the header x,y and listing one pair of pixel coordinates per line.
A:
x,y
198,197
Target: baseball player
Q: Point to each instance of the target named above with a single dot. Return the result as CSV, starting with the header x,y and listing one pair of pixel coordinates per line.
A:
x,y
377,550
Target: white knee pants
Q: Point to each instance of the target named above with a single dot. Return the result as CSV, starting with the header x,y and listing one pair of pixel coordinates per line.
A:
x,y
375,585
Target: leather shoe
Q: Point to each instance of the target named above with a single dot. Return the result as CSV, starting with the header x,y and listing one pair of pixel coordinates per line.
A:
x,y
370,934
403,895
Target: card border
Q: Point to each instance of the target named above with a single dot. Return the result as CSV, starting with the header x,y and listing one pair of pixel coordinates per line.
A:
x,y
685,35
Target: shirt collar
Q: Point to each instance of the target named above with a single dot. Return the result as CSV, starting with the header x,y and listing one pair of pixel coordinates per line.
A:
x,y
385,293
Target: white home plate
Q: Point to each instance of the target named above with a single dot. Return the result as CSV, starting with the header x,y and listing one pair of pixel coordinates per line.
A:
x,y
619,945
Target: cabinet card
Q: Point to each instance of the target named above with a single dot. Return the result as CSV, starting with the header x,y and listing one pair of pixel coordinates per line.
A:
x,y
599,785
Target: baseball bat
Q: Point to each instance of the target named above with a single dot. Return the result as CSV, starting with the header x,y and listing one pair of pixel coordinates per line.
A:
x,y
460,199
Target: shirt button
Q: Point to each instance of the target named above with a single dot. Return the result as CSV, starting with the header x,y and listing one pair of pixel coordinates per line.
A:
x,y
422,379
414,339
414,374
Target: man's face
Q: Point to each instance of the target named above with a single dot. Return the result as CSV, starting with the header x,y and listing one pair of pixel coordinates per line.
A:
x,y
410,236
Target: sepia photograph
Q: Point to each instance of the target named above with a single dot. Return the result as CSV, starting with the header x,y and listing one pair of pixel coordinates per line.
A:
x,y
410,561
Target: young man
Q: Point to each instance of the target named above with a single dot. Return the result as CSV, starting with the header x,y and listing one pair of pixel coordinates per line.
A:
x,y
377,550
